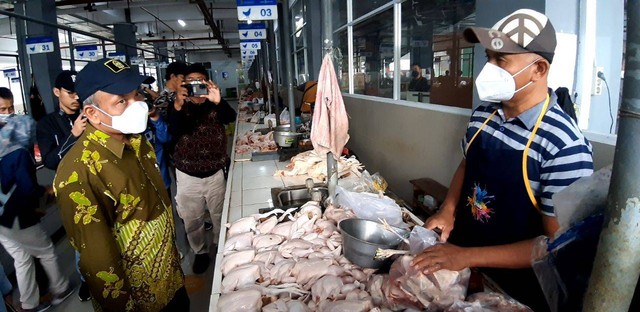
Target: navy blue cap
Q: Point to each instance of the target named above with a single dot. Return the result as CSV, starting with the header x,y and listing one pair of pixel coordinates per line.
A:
x,y
66,79
108,75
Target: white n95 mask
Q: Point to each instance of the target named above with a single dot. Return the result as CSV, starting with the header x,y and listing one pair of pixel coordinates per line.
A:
x,y
495,84
132,120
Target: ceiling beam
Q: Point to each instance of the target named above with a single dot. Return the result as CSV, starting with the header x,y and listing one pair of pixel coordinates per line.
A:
x,y
75,2
214,27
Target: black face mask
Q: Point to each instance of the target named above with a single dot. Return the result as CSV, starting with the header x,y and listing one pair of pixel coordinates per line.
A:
x,y
415,74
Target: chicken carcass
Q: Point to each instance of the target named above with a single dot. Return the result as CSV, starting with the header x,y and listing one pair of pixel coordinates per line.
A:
x,y
374,287
267,257
281,270
327,287
235,259
241,225
239,277
346,305
245,300
293,247
266,226
309,271
282,229
437,291
238,242
488,301
286,305
266,241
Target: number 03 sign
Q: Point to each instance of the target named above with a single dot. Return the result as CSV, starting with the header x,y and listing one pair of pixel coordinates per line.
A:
x,y
257,10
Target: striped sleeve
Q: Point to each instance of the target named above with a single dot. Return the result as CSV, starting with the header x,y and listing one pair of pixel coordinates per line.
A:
x,y
569,164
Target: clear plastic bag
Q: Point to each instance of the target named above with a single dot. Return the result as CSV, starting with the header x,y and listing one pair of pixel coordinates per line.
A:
x,y
421,239
410,288
371,206
285,117
563,279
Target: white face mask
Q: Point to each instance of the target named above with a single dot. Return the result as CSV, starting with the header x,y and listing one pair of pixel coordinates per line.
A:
x,y
132,120
4,117
495,84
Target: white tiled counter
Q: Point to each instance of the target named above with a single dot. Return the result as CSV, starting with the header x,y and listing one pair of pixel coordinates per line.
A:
x,y
248,190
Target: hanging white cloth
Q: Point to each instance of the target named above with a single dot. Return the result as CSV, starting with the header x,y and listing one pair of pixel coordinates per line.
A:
x,y
330,128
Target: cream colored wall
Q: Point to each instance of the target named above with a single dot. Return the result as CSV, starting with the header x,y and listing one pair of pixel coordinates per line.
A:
x,y
405,141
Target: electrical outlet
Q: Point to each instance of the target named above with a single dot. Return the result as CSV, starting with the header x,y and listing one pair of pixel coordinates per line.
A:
x,y
597,81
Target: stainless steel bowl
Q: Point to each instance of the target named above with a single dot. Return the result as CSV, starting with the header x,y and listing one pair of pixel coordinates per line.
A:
x,y
286,139
361,238
285,128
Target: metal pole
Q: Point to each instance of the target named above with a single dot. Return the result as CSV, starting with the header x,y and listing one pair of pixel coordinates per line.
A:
x,y
327,45
23,58
72,57
265,76
271,42
617,265
286,41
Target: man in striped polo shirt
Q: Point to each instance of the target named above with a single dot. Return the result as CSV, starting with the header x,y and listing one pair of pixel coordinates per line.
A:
x,y
520,148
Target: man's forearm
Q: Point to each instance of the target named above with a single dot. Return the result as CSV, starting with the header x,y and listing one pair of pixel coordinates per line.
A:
x,y
511,256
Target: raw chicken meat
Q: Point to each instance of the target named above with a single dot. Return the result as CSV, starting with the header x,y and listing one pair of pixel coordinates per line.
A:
x,y
346,305
239,277
327,287
242,225
309,271
249,300
488,301
287,248
324,228
265,227
412,289
255,142
286,305
238,242
374,286
281,270
282,229
266,241
267,257
315,166
334,214
235,259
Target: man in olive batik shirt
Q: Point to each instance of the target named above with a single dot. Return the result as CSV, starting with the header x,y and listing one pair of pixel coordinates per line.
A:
x,y
116,210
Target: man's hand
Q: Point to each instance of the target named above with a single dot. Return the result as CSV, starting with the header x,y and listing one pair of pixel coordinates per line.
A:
x,y
181,96
79,125
153,113
214,92
442,256
443,220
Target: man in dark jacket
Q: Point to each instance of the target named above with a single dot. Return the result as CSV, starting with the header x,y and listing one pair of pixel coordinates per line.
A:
x,y
58,131
196,124
20,232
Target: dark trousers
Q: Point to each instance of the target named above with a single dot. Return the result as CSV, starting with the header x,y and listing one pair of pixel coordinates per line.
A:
x,y
180,301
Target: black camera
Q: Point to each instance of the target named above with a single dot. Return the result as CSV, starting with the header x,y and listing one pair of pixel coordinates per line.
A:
x,y
196,88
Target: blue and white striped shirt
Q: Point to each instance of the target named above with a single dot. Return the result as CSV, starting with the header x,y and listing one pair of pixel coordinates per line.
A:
x,y
558,155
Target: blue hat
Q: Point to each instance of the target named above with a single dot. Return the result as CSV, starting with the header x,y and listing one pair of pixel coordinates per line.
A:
x,y
108,75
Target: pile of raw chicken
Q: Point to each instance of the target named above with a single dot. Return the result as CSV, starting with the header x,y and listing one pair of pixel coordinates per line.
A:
x,y
285,261
314,165
255,142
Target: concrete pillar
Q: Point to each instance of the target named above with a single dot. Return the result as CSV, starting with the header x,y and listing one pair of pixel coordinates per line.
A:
x,y
126,33
315,51
45,66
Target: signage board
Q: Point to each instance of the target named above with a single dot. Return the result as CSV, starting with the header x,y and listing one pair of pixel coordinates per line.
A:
x,y
257,10
252,31
42,44
250,45
87,51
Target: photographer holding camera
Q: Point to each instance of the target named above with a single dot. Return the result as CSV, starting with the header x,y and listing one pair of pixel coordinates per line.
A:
x,y
196,124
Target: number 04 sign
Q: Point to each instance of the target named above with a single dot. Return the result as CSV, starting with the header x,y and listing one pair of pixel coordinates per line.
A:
x,y
257,10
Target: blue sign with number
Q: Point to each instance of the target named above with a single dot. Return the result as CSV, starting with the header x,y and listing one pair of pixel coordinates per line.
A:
x,y
42,44
250,45
252,31
87,51
257,10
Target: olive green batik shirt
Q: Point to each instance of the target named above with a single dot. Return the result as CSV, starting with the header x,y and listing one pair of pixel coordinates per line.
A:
x,y
118,215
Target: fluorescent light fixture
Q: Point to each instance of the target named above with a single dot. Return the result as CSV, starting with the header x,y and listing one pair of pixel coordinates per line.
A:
x,y
182,23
